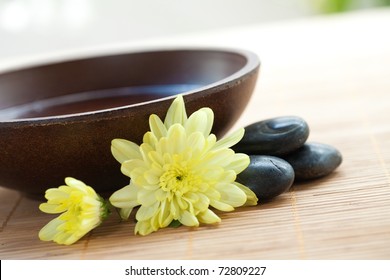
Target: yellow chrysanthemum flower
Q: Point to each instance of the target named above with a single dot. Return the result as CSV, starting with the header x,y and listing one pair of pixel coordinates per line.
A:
x,y
180,170
82,210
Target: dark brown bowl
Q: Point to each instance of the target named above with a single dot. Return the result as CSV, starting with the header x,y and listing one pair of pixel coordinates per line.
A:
x,y
58,119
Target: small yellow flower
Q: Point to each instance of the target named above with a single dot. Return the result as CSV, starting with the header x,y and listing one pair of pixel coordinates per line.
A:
x,y
82,210
180,170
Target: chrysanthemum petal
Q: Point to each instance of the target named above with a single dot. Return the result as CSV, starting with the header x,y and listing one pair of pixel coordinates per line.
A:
x,y
123,150
152,175
90,202
72,182
176,113
203,203
150,139
161,195
210,141
188,219
137,176
157,127
49,231
146,197
125,212
212,194
238,163
156,159
125,197
154,223
174,209
197,122
196,141
220,157
181,202
231,194
165,147
145,149
129,165
146,212
57,195
228,176
230,140
143,228
68,239
221,205
251,196
208,217
60,193
211,173
164,217
210,120
52,208
176,134
192,197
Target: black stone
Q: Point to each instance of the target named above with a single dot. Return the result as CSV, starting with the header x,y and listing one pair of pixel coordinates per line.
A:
x,y
267,176
276,136
314,160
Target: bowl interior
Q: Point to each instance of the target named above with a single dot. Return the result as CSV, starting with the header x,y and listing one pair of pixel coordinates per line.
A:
x,y
101,83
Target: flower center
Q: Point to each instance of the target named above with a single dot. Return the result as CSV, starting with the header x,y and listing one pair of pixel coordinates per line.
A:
x,y
178,180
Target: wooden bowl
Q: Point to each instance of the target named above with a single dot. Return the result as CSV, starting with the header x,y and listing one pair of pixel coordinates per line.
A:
x,y
58,119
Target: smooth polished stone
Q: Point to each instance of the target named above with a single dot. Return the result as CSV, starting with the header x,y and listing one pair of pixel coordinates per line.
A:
x,y
267,176
314,160
276,136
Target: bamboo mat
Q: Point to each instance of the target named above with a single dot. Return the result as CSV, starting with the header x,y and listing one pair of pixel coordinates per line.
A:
x,y
333,72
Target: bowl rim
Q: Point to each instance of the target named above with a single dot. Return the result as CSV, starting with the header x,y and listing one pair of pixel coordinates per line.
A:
x,y
252,63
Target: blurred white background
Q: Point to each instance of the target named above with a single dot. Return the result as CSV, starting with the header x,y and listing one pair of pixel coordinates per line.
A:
x,y
40,26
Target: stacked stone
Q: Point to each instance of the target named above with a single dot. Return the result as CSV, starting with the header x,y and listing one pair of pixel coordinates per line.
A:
x,y
280,155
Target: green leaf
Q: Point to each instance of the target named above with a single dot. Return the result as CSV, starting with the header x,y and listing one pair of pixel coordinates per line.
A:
x,y
175,224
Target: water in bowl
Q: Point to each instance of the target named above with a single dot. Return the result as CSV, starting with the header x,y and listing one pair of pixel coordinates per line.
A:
x,y
93,101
